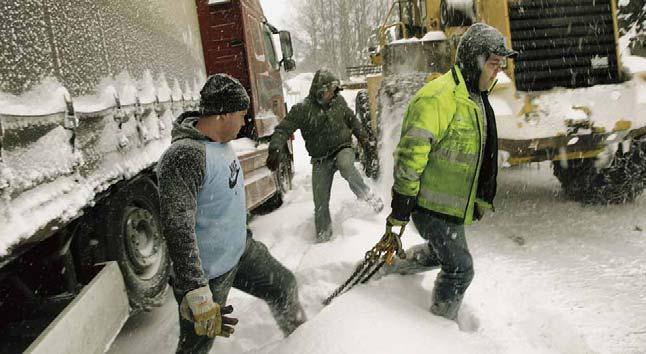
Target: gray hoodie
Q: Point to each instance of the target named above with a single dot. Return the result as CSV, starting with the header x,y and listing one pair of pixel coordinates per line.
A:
x,y
202,202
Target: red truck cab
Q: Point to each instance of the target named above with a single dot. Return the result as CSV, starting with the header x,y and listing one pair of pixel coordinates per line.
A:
x,y
238,40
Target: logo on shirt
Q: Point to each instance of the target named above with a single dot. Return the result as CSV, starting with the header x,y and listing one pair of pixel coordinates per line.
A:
x,y
235,171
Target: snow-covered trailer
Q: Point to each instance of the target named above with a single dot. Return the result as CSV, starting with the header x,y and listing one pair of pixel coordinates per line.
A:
x,y
88,93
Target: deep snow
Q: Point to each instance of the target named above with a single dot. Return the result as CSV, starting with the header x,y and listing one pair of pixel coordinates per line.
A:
x,y
551,277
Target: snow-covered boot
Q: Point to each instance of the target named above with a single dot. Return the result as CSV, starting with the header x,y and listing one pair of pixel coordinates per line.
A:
x,y
375,202
419,258
448,308
448,293
290,315
324,235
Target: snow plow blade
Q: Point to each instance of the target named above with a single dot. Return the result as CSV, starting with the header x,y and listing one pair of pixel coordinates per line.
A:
x,y
90,323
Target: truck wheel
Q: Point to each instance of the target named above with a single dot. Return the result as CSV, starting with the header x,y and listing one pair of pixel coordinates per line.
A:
x,y
368,157
284,175
621,182
133,237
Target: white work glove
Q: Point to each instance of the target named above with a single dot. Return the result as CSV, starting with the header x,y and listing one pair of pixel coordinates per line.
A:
x,y
198,307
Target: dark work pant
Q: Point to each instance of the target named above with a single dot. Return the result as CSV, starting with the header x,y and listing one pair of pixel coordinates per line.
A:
x,y
323,171
258,274
448,241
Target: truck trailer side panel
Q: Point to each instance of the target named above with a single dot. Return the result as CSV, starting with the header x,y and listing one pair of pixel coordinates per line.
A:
x,y
124,68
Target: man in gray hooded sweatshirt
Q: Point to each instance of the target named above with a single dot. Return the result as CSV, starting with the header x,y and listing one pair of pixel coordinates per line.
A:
x,y
204,221
446,165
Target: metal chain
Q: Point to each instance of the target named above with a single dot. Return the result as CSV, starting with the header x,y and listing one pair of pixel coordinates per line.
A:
x,y
341,288
382,253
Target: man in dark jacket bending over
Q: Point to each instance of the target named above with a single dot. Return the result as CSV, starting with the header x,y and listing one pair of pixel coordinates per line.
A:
x,y
327,124
204,220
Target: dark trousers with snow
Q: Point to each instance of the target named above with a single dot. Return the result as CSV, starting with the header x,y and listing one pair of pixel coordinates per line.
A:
x,y
323,171
446,237
258,274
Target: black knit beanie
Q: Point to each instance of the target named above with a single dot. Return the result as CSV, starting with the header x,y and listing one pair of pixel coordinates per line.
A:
x,y
222,94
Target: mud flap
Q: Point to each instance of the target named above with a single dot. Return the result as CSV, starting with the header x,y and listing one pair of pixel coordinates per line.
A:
x,y
90,323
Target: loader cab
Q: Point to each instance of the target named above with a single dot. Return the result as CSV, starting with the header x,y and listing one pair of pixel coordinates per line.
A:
x,y
402,21
420,16
412,14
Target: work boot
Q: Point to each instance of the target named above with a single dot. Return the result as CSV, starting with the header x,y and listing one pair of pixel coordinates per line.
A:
x,y
446,299
324,235
447,309
288,312
375,202
419,258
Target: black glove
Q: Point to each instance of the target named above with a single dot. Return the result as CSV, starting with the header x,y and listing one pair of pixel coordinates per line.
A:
x,y
402,206
273,159
227,322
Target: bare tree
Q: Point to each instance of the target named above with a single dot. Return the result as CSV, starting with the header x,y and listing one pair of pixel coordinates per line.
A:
x,y
335,33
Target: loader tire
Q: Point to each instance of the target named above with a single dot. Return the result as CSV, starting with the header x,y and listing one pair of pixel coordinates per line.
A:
x,y
131,226
621,182
367,156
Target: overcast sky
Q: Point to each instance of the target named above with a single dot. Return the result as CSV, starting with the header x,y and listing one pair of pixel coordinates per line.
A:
x,y
276,12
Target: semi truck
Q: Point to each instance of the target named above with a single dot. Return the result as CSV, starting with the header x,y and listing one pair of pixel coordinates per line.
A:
x,y
88,94
570,97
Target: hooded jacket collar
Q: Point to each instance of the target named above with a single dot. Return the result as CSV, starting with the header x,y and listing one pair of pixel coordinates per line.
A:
x,y
460,89
184,127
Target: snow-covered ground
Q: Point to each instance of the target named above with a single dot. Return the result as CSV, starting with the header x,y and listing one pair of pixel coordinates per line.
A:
x,y
551,277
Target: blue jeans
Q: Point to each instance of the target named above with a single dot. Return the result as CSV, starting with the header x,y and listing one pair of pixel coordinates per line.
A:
x,y
446,237
323,171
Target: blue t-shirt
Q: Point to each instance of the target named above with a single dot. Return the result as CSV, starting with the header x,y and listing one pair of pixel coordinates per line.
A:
x,y
221,218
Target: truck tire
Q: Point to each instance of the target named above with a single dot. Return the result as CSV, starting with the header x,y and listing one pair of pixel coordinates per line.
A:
x,y
368,157
621,182
132,230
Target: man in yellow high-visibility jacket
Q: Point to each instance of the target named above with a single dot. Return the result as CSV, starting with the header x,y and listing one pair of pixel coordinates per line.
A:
x,y
446,164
